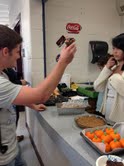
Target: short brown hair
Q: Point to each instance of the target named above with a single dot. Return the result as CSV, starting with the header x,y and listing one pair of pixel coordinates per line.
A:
x,y
9,38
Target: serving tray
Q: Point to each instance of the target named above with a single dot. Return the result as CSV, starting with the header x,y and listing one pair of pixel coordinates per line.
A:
x,y
100,147
69,111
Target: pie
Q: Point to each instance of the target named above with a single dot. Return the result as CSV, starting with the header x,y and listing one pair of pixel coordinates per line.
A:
x,y
89,121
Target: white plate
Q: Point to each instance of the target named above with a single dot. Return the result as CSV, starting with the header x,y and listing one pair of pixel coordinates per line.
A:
x,y
101,161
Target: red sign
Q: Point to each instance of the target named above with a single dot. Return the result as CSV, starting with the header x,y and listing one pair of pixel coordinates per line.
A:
x,y
73,27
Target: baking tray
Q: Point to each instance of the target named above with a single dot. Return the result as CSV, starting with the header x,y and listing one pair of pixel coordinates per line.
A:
x,y
86,114
69,111
99,147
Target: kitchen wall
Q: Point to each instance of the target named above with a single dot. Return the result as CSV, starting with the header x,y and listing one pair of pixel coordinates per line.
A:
x,y
30,12
122,24
99,20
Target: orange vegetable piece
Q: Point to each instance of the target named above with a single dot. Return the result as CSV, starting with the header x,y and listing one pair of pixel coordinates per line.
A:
x,y
99,133
122,142
115,135
115,144
108,130
107,147
90,135
96,139
106,138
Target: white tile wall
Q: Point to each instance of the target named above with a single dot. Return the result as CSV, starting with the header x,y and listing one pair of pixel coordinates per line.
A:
x,y
122,25
37,44
37,77
99,20
36,18
39,67
27,69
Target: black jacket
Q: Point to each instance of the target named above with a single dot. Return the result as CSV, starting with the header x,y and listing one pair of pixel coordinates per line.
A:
x,y
12,74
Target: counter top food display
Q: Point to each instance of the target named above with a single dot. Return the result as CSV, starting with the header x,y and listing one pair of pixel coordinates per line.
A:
x,y
65,135
106,140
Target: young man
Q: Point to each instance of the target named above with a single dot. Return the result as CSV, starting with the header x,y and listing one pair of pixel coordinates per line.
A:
x,y
10,93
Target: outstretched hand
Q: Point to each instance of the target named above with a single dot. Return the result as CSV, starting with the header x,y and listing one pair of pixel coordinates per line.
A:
x,y
24,82
39,107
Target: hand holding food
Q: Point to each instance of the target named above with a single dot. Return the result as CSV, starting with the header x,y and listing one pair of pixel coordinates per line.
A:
x,y
67,40
67,54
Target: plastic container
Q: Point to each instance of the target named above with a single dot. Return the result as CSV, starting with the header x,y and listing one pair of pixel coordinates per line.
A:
x,y
70,110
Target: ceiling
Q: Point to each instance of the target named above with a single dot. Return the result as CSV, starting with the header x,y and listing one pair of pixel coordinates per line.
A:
x,y
4,11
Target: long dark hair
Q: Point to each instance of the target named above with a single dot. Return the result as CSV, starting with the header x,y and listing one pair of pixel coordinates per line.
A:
x,y
118,41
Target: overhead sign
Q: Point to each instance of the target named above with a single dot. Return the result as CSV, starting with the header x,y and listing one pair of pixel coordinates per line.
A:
x,y
73,28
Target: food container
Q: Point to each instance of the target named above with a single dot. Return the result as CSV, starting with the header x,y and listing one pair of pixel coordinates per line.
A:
x,y
100,147
69,111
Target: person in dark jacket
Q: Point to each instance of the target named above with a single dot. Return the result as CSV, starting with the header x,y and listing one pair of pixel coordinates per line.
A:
x,y
13,77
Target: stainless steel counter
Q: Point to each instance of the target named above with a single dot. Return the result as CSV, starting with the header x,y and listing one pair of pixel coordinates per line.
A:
x,y
64,134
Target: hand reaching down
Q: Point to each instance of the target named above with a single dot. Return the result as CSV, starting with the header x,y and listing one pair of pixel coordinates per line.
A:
x,y
38,107
24,82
